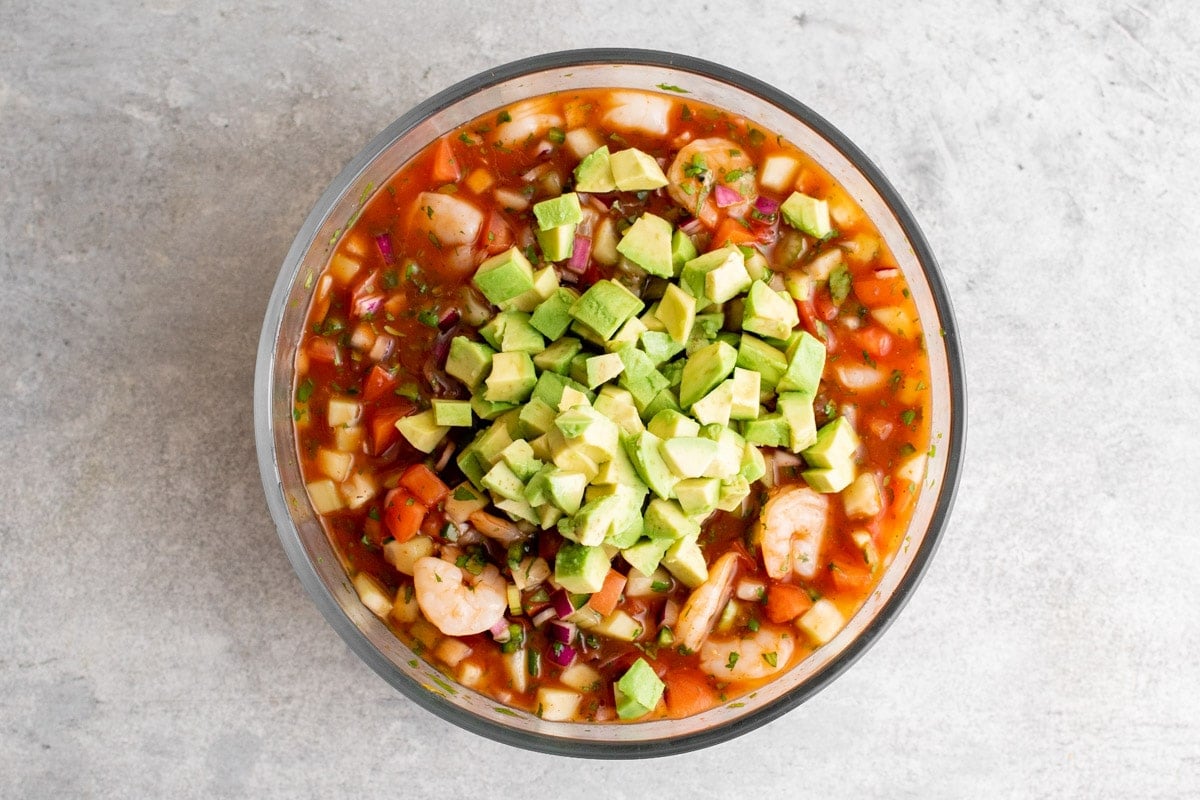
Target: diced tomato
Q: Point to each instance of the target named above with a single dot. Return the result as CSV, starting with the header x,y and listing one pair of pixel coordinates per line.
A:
x,y
880,428
324,349
785,602
875,340
424,484
445,164
373,531
823,304
497,234
379,384
402,514
848,576
733,231
873,291
605,600
688,692
383,424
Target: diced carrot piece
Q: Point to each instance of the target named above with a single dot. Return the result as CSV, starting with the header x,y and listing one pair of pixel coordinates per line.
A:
x,y
785,602
379,384
874,292
604,602
425,485
445,164
732,231
850,576
373,530
402,514
321,348
688,693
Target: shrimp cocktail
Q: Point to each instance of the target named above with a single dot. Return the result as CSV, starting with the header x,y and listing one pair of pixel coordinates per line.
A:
x,y
615,405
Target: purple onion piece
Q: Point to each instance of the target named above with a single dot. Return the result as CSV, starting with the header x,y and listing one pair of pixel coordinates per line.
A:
x,y
561,654
384,242
542,617
726,196
766,206
449,317
581,254
561,631
560,601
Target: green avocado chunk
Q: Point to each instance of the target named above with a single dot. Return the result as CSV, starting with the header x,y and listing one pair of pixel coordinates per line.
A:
x,y
594,173
638,691
580,569
705,369
505,276
647,243
558,211
605,306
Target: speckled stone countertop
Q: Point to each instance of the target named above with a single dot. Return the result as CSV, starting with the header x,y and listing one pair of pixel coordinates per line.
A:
x,y
156,159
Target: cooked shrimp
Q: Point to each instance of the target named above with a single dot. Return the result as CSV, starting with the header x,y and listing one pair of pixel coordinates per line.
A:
x,y
790,531
451,223
705,602
697,170
758,655
456,601
640,112
528,119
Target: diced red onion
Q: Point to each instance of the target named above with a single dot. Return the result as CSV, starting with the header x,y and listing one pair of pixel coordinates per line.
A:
x,y
440,349
370,304
597,202
449,317
561,654
560,601
384,242
444,458
561,631
568,277
581,254
765,205
785,458
692,226
500,631
543,616
544,148
726,196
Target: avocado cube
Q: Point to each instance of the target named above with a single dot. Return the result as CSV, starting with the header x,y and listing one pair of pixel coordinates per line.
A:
x,y
422,431
685,561
485,409
688,456
638,692
768,312
473,465
589,335
716,406
518,510
558,211
635,171
797,409
594,173
545,281
590,432
659,346
647,243
577,369
502,482
828,480
518,335
504,276
520,459
565,489
452,413
698,496
536,418
806,362
733,492
693,274
673,372
552,316
836,446
550,385
618,406
683,250
677,312
630,333
807,214
580,569
726,281
756,265
603,368
754,466
664,519
670,423
557,357
512,378
756,355
596,520
665,399
747,387
708,325
469,361
605,306
704,370
644,450
619,471
769,430
557,243
730,451
645,554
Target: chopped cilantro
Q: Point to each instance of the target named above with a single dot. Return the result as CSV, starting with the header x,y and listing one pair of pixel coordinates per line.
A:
x,y
733,659
503,117
755,137
464,495
771,658
839,284
556,135
304,391
908,416
428,317
670,87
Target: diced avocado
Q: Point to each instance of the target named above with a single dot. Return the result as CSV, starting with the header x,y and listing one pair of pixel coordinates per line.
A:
x,y
836,445
545,282
469,361
580,569
512,378
769,430
520,459
645,453
730,450
486,409
552,317
665,399
617,404
646,554
708,325
698,496
665,519
572,397
603,368
673,372
548,516
797,409
640,378
635,171
537,487
756,266
565,489
541,447
605,306
594,174
756,355
557,356
651,321
807,214
589,432
747,387
629,333
726,281
677,312
490,443
806,362
733,492
504,276
626,525
768,312
647,243
692,276
501,481
619,471
588,335
452,413
828,480
688,456
861,498
519,336
683,250
659,346
558,211
519,510
577,369
473,465
557,243
716,406
669,423
704,370
685,561
754,466
422,431
596,520
550,385
638,691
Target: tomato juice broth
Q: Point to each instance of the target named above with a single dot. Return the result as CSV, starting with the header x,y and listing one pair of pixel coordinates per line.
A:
x,y
394,291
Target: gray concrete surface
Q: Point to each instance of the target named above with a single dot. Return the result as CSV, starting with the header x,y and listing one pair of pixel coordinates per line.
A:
x,y
155,161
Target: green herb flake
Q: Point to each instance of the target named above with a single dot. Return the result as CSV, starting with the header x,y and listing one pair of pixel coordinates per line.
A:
x,y
660,586
503,117
304,391
839,284
428,317
464,495
755,137
556,135
771,658
753,625
908,417
670,87
732,662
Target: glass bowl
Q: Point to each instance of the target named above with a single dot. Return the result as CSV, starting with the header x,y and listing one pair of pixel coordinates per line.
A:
x,y
319,567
